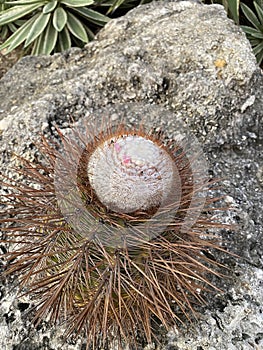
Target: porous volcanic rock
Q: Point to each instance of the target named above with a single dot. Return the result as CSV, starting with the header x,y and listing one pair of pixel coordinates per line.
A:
x,y
188,68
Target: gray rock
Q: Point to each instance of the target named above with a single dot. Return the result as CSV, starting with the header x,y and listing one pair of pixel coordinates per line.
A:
x,y
186,68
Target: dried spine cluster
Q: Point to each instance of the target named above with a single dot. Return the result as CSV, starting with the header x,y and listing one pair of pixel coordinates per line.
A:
x,y
135,187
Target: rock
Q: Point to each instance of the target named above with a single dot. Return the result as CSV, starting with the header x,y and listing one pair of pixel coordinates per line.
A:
x,y
187,68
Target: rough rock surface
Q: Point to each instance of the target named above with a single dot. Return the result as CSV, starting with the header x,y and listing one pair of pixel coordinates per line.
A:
x,y
175,61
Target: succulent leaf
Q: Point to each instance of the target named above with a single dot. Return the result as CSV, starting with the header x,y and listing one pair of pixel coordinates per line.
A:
x,y
254,32
47,40
259,10
115,5
19,36
258,48
91,35
76,28
4,33
38,27
25,2
64,41
92,16
250,15
260,56
16,12
50,6
77,3
233,6
59,19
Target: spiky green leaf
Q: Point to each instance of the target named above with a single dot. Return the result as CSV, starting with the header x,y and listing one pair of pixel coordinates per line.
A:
x,y
59,19
115,5
50,6
4,32
90,33
47,40
260,57
259,10
64,41
254,32
12,27
254,41
77,3
13,13
92,16
257,49
24,2
19,36
76,28
38,27
250,15
233,6
50,39
36,45
20,22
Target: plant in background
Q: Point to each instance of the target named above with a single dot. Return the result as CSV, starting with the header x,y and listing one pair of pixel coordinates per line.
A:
x,y
46,26
8,28
231,7
255,33
123,5
111,235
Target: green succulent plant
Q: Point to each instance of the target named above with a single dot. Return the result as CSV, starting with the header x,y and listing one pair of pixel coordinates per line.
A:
x,y
231,7
46,26
255,33
8,28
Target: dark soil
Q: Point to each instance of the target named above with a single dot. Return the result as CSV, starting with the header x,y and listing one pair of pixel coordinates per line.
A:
x,y
8,60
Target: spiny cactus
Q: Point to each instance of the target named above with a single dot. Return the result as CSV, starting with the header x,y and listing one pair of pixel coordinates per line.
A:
x,y
110,235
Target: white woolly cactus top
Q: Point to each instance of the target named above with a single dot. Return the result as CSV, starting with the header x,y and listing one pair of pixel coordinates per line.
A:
x,y
131,173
